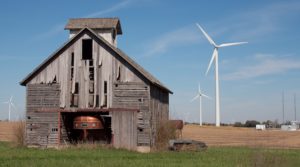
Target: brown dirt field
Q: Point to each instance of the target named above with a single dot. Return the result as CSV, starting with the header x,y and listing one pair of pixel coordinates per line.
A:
x,y
233,136
7,131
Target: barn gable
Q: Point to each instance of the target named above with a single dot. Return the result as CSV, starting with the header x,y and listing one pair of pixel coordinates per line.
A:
x,y
102,41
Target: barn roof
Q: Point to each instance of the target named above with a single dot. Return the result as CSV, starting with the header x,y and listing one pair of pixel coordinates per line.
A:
x,y
94,23
119,52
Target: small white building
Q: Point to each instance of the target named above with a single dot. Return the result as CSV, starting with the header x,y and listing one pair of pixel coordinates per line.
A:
x,y
261,127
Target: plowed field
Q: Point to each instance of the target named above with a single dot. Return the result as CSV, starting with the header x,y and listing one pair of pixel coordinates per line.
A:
x,y
233,136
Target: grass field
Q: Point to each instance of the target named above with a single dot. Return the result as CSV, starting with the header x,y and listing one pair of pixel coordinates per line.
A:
x,y
216,156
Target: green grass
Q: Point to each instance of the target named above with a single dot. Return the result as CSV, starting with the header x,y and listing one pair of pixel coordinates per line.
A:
x,y
84,157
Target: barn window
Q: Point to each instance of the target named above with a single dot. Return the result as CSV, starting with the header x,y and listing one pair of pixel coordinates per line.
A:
x,y
72,59
76,88
54,129
119,73
87,49
54,80
105,94
105,87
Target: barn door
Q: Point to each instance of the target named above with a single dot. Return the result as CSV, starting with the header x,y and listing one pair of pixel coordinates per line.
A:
x,y
124,129
52,134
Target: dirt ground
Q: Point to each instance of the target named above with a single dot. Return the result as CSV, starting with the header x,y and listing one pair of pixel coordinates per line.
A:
x,y
7,131
233,136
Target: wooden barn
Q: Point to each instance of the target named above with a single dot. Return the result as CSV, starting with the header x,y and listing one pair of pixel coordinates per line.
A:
x,y
88,90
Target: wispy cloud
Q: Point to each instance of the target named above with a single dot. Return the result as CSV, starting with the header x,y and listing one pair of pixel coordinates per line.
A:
x,y
60,27
177,37
264,65
254,24
116,7
52,32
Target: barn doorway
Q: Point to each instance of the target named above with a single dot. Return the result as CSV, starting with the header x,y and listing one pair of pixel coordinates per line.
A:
x,y
86,127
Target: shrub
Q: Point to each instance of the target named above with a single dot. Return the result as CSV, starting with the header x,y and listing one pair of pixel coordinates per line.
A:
x,y
165,131
251,123
19,133
238,124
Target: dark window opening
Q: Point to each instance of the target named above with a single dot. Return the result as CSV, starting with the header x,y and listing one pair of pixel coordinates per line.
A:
x,y
54,129
76,88
91,63
72,73
91,76
97,100
72,59
28,117
74,100
119,73
105,87
54,80
87,49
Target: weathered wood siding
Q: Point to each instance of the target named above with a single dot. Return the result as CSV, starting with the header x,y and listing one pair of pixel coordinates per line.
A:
x,y
42,96
124,129
42,129
135,95
159,109
106,67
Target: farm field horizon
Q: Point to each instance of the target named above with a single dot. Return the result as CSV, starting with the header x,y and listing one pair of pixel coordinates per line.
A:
x,y
224,136
237,136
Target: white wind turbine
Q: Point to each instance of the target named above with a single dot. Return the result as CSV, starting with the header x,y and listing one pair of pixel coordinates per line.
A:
x,y
215,56
200,95
10,104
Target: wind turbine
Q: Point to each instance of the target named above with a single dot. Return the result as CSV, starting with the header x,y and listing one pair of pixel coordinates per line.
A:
x,y
215,57
10,104
200,95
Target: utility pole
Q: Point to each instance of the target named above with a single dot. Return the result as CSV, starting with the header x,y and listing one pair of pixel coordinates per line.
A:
x,y
283,107
295,107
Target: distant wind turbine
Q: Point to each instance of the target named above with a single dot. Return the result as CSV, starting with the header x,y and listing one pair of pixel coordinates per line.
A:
x,y
200,95
215,57
10,104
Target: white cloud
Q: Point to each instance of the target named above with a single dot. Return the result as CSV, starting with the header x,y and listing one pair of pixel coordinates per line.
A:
x,y
178,37
265,65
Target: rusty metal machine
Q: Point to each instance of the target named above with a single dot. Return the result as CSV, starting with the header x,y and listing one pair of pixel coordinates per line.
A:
x,y
87,123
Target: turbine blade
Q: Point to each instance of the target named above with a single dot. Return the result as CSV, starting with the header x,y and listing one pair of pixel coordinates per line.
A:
x,y
13,105
6,102
211,60
206,35
206,96
11,97
231,44
195,98
199,88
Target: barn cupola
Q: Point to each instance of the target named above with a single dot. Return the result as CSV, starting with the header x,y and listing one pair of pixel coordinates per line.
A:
x,y
108,28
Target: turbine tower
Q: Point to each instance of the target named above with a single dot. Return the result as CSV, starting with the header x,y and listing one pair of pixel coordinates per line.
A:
x,y
10,104
200,95
215,57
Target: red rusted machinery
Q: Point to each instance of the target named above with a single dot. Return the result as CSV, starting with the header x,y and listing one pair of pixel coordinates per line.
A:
x,y
87,123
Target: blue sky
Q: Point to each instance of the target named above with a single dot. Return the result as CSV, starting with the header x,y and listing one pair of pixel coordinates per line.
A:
x,y
162,37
